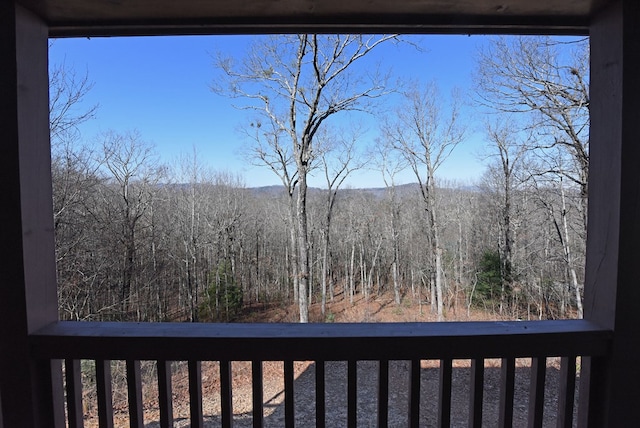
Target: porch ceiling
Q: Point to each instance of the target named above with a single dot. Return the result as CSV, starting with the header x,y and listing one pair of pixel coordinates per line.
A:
x,y
121,17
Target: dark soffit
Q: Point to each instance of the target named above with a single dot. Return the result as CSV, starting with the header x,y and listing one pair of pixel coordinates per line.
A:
x,y
131,17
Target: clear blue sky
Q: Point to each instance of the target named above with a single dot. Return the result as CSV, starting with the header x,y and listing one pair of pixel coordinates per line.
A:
x,y
160,87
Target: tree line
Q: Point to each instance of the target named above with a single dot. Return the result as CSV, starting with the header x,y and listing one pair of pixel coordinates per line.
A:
x,y
140,240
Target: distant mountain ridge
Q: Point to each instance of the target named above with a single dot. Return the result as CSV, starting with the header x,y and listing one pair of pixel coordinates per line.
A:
x,y
378,192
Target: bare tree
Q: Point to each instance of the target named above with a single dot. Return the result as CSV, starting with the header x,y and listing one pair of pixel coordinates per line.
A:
x,y
67,90
70,161
194,182
552,196
390,163
508,154
74,181
425,133
133,169
270,148
548,81
297,82
338,159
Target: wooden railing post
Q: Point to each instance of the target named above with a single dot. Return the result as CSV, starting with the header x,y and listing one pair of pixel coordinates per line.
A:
x,y
476,393
609,390
444,402
104,393
134,393
73,383
165,395
289,411
414,393
352,393
28,292
507,392
320,394
226,394
195,394
566,392
536,391
258,393
383,394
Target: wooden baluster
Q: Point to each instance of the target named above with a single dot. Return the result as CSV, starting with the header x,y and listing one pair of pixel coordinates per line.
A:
x,y
258,393
507,391
476,391
289,412
592,391
104,394
566,392
195,394
73,376
165,394
536,391
414,394
134,392
320,395
383,394
226,394
352,393
444,409
52,370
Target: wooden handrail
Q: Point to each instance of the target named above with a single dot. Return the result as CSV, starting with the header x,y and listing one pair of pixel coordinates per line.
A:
x,y
278,342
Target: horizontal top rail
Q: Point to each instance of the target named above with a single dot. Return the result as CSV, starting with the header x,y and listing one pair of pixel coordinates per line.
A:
x,y
362,341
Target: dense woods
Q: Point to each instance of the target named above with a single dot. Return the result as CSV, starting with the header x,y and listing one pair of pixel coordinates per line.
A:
x,y
199,250
141,240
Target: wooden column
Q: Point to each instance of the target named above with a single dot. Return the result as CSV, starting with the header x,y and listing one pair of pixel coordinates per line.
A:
x,y
28,298
612,285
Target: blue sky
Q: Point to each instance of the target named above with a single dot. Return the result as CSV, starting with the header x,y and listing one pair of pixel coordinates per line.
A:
x,y
159,86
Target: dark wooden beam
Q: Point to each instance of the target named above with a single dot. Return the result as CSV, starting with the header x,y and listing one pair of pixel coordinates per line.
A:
x,y
612,292
28,295
87,18
382,24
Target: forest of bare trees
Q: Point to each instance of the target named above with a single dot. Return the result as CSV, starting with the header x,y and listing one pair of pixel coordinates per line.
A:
x,y
138,239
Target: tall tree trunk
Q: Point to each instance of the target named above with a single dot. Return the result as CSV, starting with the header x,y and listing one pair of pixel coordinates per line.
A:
x,y
352,285
293,254
396,249
325,268
303,250
436,251
568,255
438,278
507,247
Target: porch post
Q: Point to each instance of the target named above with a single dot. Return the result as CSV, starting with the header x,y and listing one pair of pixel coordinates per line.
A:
x,y
610,386
28,298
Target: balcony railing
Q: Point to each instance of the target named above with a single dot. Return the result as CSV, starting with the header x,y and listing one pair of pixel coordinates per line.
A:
x,y
320,343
